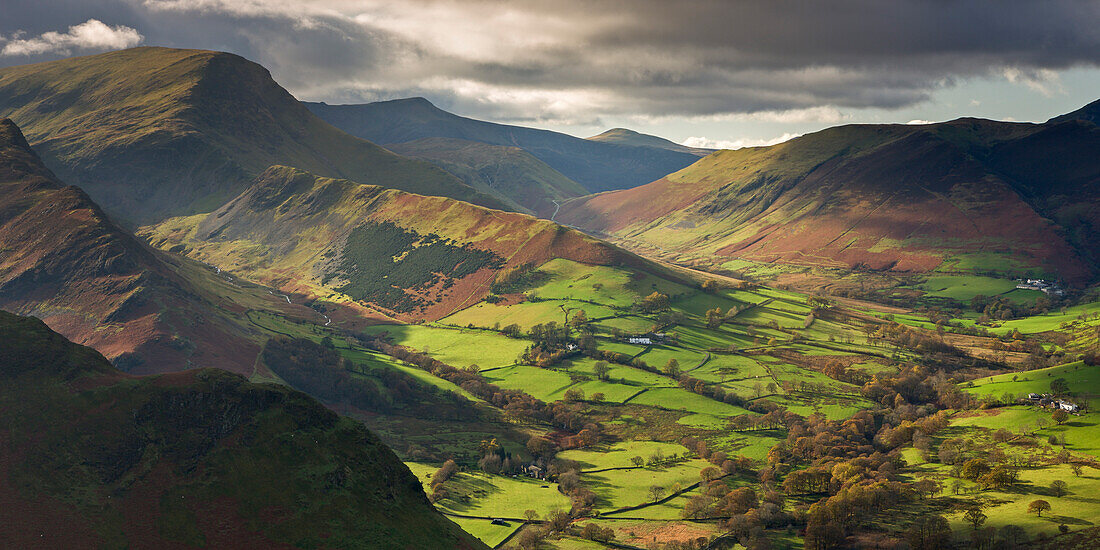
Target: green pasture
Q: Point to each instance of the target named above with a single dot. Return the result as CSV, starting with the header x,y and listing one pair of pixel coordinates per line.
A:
x,y
456,347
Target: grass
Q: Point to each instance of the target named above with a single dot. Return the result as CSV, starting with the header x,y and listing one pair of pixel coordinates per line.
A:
x,y
1082,379
681,399
456,347
965,287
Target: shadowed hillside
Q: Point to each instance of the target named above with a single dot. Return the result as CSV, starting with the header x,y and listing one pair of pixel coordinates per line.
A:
x,y
967,195
596,165
527,183
93,458
152,132
65,262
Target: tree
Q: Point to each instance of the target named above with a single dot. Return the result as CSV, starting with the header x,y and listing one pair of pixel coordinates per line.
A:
x,y
975,517
531,515
656,492
655,302
929,533
1076,469
715,318
602,370
1038,506
1059,386
974,468
1060,416
597,397
637,461
672,368
1058,487
574,394
1013,535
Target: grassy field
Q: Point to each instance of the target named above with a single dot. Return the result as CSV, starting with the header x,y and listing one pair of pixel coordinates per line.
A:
x,y
965,287
1081,378
456,347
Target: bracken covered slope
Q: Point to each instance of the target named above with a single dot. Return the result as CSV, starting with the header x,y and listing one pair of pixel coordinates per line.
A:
x,y
93,458
404,255
970,195
596,165
152,132
64,261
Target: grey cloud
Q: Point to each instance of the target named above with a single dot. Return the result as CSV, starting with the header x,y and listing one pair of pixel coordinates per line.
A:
x,y
573,60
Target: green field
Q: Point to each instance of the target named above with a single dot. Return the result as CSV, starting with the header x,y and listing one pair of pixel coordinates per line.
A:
x,y
456,347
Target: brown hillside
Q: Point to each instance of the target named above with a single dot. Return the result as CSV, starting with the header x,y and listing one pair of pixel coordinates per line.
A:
x,y
966,195
298,232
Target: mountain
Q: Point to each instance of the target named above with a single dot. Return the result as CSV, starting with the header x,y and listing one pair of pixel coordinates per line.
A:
x,y
967,195
1088,113
596,165
152,132
525,182
379,251
94,458
64,261
624,136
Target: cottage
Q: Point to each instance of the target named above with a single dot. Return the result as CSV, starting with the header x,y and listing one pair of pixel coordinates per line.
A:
x,y
1033,396
533,471
644,340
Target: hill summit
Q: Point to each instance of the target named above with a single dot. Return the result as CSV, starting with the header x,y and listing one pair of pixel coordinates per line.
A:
x,y
151,132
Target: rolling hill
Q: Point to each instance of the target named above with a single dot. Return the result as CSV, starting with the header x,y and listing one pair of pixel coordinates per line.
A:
x,y
152,132
528,184
597,165
93,458
626,136
64,261
398,254
967,195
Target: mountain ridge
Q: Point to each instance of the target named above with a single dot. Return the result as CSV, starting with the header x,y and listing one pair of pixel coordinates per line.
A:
x,y
150,132
895,197
596,165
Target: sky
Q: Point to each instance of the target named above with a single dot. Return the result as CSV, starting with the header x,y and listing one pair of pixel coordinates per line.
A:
x,y
704,73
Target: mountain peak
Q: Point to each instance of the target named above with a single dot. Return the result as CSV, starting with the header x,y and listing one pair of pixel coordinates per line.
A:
x,y
11,135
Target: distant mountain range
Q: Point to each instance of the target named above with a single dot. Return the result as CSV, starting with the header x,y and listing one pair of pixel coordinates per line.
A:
x,y
617,160
95,458
968,195
515,176
154,132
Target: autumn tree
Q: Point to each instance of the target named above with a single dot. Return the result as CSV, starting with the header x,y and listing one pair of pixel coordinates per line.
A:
x,y
1060,416
1038,506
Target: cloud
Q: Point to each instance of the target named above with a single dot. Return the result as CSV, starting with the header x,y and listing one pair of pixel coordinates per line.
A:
x,y
737,143
92,34
579,60
918,121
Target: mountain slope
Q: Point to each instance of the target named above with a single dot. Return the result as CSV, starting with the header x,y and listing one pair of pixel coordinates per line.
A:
x,y
968,195
152,132
595,165
626,136
64,261
93,458
403,255
1088,113
524,181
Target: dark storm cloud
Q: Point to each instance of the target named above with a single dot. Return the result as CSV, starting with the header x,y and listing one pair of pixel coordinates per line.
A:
x,y
578,59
